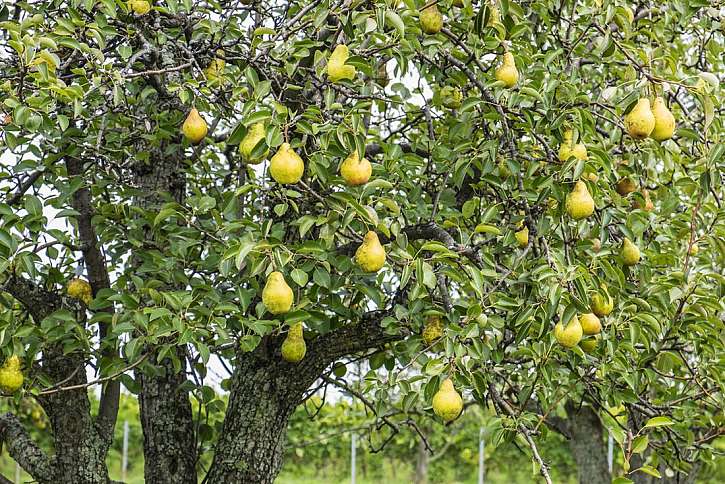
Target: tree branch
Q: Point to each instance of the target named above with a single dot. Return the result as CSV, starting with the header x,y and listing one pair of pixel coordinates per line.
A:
x,y
23,449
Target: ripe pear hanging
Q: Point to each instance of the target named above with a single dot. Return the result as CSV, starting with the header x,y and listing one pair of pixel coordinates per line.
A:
x,y
640,121
194,127
286,166
566,145
664,121
370,256
255,134
277,296
336,67
630,253
139,7
570,335
355,171
579,203
447,402
522,237
11,378
590,324
507,72
602,305
294,347
431,20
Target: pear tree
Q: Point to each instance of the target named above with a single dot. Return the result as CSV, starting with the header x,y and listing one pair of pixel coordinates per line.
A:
x,y
426,189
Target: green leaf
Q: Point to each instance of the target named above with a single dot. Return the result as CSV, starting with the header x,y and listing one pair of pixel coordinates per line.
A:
x,y
658,422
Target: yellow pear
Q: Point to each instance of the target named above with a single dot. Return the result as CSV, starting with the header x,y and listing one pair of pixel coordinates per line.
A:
x,y
447,402
579,151
640,121
11,378
80,289
522,237
194,127
579,204
630,253
215,69
589,345
590,324
565,146
507,72
664,121
293,346
277,296
139,7
570,335
355,171
370,256
286,166
255,134
431,20
625,186
433,330
336,68
602,305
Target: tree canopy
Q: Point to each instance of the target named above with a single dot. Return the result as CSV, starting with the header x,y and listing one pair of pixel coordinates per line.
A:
x,y
175,154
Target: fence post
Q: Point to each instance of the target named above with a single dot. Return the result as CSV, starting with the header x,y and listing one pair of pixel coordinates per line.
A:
x,y
352,458
124,456
481,464
610,453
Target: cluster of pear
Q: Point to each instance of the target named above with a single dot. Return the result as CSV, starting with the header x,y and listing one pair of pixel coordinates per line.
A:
x,y
80,289
11,378
587,324
431,22
656,122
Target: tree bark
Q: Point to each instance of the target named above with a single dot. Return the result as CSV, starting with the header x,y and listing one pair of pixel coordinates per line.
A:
x,y
421,464
587,444
265,390
165,406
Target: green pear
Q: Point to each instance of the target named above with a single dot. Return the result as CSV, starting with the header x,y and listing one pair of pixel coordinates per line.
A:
x,y
640,121
447,402
507,72
11,378
590,324
664,121
570,335
579,203
255,134
602,305
293,346
431,20
370,256
355,171
433,330
286,166
630,253
194,127
277,296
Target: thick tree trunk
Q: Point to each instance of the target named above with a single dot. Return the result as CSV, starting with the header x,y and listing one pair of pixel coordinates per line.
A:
x,y
587,444
265,390
167,423
80,452
165,406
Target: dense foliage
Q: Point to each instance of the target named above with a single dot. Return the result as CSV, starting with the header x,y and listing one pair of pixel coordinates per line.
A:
x,y
177,239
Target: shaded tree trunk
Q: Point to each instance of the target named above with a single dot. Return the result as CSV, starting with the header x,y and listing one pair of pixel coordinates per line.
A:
x,y
421,464
587,444
265,390
165,406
